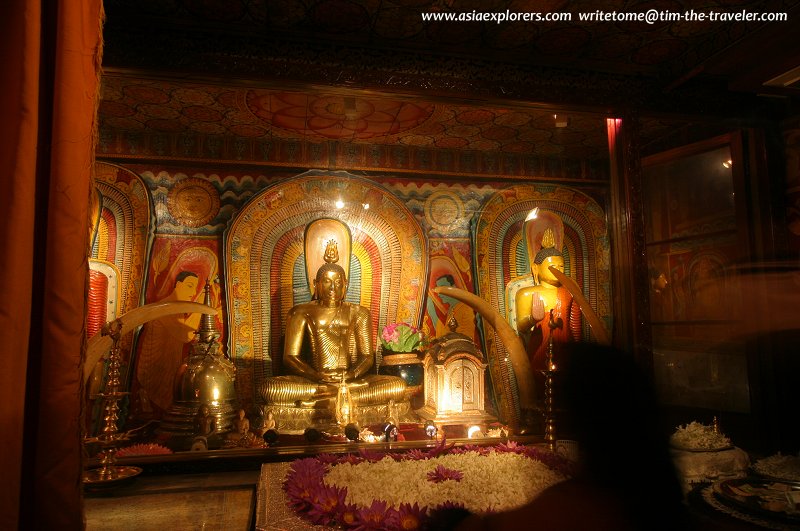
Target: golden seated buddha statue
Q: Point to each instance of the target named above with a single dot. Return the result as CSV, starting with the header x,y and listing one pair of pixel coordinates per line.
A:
x,y
339,335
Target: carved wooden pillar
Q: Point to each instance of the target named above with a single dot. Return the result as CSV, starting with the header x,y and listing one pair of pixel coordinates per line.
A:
x,y
628,254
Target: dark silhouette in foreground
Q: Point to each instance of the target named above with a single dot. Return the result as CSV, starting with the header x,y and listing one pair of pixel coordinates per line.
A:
x,y
626,480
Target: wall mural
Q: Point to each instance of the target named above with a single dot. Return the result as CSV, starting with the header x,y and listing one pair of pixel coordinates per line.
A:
x,y
122,229
212,224
179,268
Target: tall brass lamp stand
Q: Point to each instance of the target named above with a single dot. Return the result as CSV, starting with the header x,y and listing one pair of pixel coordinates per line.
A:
x,y
110,439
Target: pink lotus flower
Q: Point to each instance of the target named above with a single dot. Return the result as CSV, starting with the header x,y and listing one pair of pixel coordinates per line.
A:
x,y
410,516
352,459
302,481
347,515
327,459
440,448
325,501
449,505
416,455
372,517
556,462
442,473
401,337
369,455
510,446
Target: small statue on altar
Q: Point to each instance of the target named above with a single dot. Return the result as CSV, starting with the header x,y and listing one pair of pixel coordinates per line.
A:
x,y
269,422
545,309
339,335
204,422
241,427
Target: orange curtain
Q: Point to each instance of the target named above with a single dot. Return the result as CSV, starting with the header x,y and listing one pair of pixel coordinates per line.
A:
x,y
50,61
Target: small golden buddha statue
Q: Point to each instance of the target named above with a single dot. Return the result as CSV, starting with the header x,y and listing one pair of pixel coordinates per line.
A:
x,y
339,334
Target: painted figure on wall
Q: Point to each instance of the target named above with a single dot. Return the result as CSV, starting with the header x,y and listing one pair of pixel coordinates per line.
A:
x,y
178,271
545,309
441,308
162,343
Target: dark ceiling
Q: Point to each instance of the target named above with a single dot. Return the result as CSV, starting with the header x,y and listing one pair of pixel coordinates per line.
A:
x,y
373,72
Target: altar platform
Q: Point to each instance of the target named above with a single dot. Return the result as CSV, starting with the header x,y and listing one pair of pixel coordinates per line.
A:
x,y
241,490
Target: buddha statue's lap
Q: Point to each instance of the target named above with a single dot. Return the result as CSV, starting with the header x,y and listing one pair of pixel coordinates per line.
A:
x,y
290,390
339,336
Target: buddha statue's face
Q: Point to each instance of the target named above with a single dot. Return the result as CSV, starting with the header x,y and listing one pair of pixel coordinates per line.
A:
x,y
330,287
545,275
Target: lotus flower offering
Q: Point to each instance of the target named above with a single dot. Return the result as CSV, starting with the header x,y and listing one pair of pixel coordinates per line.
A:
x,y
370,490
143,449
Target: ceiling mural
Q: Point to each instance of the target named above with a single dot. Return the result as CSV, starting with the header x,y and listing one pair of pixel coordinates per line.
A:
x,y
370,85
158,106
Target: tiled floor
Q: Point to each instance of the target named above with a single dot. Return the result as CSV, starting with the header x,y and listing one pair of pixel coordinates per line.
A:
x,y
220,501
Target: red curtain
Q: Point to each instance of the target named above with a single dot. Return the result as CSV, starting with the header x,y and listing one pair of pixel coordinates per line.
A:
x,y
50,59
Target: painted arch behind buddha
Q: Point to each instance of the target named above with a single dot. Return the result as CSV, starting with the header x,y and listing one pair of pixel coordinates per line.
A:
x,y
266,266
502,263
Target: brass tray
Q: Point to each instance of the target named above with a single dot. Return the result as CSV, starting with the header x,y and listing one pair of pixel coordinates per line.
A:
x,y
773,499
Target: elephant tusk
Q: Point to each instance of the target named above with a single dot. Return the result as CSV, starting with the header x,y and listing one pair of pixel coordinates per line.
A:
x,y
101,342
598,329
516,350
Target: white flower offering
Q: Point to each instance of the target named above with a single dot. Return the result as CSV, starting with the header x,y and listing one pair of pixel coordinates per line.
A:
x,y
786,467
697,436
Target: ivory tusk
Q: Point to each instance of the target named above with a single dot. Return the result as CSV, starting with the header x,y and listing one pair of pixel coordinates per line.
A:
x,y
99,343
516,350
598,329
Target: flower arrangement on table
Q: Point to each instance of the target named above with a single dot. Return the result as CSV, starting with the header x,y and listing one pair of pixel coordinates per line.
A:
x,y
401,337
370,490
786,467
697,436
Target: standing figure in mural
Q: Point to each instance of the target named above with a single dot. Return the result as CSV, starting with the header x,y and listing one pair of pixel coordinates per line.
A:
x,y
162,345
545,309
339,335
441,308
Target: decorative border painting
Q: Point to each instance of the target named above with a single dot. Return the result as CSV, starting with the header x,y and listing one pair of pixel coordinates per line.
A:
x,y
266,273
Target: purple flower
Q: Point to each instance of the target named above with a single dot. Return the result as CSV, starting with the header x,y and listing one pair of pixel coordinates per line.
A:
x,y
510,446
369,455
416,455
390,333
373,517
352,459
410,516
440,448
325,502
347,515
302,482
558,463
401,337
328,459
442,473
449,505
